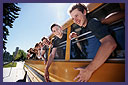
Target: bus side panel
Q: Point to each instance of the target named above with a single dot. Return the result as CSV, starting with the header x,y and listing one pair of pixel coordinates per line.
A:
x,y
63,71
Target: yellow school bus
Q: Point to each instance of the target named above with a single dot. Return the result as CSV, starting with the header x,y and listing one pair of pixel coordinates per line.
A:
x,y
62,68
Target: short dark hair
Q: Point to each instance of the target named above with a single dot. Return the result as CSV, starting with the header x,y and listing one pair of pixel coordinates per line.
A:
x,y
27,50
53,25
43,38
37,44
79,6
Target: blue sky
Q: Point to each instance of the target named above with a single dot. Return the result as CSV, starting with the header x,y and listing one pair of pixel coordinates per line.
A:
x,y
34,22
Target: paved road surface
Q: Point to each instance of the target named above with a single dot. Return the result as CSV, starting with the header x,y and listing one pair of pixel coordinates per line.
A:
x,y
16,73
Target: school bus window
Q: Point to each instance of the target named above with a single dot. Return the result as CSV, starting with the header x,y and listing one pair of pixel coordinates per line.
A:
x,y
60,53
61,47
118,32
115,27
79,45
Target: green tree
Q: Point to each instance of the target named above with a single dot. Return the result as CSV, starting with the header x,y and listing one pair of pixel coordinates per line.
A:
x,y
21,55
7,57
10,13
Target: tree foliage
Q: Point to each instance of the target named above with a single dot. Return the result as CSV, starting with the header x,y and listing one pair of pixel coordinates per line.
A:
x,y
10,13
7,57
21,55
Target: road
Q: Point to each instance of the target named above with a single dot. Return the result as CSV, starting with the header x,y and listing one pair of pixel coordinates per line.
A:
x,y
16,73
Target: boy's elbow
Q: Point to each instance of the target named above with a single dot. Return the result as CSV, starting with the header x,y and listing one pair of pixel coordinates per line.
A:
x,y
113,45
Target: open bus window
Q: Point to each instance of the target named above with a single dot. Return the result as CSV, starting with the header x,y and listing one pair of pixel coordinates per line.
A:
x,y
61,49
116,29
81,50
60,52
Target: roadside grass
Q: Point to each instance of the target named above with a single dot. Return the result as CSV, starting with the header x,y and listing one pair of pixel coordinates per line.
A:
x,y
10,65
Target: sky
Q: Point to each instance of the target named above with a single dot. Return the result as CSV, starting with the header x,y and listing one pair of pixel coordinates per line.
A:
x,y
34,22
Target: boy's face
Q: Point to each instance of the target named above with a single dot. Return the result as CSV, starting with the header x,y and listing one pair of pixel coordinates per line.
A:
x,y
56,30
78,17
45,42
